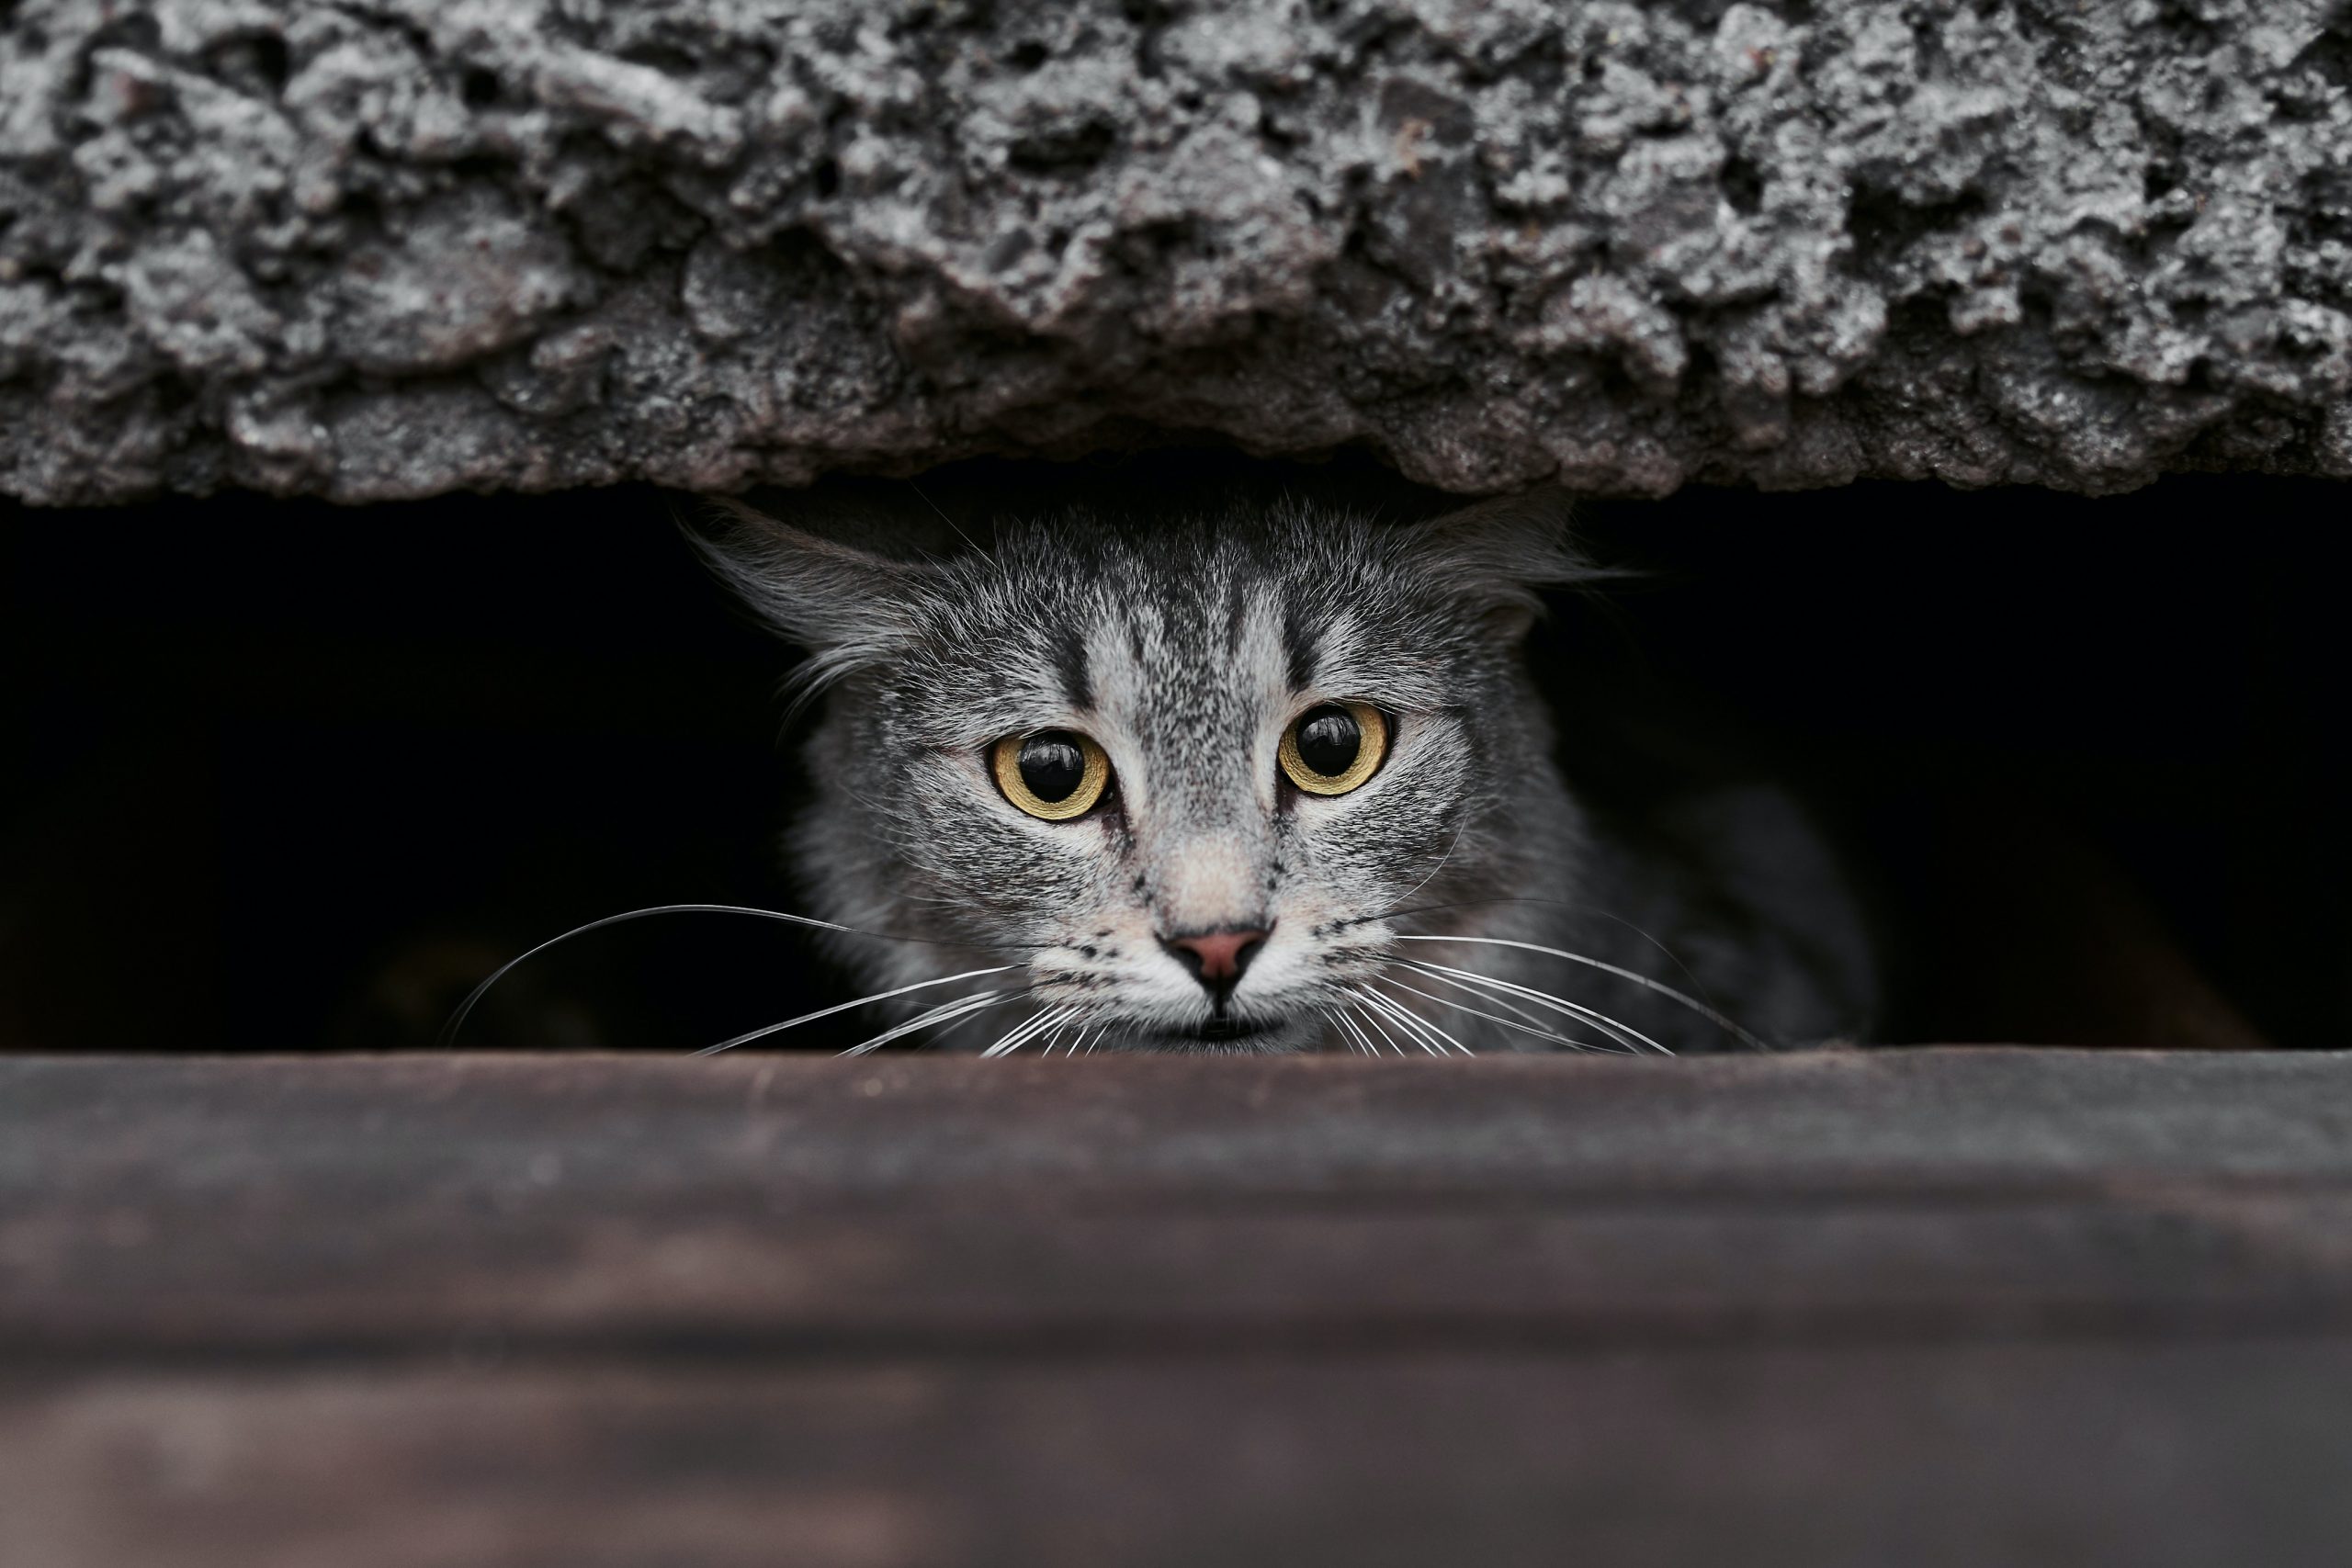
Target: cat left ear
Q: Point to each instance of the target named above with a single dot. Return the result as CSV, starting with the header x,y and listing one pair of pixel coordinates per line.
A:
x,y
1499,556
846,606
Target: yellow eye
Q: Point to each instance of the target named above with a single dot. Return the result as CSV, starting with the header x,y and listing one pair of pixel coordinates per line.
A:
x,y
1333,749
1054,776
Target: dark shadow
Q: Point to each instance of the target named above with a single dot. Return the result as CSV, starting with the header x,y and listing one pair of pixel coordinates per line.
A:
x,y
286,776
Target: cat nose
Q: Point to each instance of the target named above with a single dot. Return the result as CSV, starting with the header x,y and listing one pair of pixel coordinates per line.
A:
x,y
1215,958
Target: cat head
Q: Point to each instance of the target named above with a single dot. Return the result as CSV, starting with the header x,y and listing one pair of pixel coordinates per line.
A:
x,y
1179,774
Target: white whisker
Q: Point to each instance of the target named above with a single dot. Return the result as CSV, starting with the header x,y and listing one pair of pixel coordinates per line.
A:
x,y
956,1011
1356,1041
1373,1018
1497,999
1701,1009
1364,1022
1542,1033
1414,1023
844,1007
1016,1034
1624,1034
1381,1008
1441,859
466,1008
1023,1034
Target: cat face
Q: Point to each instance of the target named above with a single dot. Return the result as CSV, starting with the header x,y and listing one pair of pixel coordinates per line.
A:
x,y
1180,777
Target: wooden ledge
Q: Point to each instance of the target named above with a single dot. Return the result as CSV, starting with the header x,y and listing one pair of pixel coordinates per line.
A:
x,y
266,1206
1945,1307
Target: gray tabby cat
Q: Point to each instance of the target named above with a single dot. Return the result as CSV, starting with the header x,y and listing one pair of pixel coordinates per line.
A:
x,y
1266,779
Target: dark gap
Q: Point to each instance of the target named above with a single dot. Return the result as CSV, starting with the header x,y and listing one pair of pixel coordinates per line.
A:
x,y
1706,16
1922,322
667,59
488,167
1064,151
1742,185
1882,222
2330,54
1150,19
138,32
289,776
258,61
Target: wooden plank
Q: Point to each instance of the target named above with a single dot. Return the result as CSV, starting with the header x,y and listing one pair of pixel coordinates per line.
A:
x,y
176,1208
1928,1308
2143,1455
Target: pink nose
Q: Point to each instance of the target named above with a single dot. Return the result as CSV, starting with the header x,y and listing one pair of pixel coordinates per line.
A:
x,y
1217,958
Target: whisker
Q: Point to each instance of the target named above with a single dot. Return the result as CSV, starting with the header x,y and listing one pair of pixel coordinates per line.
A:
x,y
1000,1047
1410,1023
1363,1023
844,1007
1503,1002
1053,1035
1701,1009
956,1011
1664,951
1431,1038
1553,1036
1624,1034
1355,1026
939,1041
1433,1027
465,1008
1356,1041
1372,1017
1424,882
1021,1034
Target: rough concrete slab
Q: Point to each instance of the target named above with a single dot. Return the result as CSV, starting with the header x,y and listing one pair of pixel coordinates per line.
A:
x,y
397,248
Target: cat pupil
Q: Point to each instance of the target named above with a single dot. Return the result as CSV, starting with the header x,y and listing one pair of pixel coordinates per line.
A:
x,y
1328,740
1052,766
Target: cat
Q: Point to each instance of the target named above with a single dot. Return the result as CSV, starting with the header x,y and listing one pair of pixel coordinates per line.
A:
x,y
1261,777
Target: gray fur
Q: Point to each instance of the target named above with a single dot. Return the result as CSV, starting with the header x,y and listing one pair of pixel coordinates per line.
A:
x,y
1184,646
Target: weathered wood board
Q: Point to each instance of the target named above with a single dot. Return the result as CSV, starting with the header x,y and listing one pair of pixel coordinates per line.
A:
x,y
1925,1307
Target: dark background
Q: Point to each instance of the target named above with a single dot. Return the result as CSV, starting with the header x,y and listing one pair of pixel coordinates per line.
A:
x,y
281,775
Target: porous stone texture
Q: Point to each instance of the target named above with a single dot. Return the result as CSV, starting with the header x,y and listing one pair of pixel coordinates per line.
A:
x,y
392,247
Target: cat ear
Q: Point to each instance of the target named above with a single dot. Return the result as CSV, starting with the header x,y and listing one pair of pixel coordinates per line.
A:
x,y
1499,556
846,606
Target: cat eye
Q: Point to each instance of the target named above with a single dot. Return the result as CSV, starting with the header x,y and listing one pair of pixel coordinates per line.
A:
x,y
1053,775
1332,749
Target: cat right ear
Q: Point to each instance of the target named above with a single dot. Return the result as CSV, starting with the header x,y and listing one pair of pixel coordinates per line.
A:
x,y
846,606
1497,556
